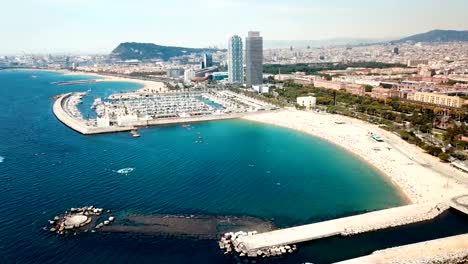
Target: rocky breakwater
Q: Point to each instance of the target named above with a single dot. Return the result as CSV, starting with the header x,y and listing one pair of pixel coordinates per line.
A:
x,y
79,219
230,244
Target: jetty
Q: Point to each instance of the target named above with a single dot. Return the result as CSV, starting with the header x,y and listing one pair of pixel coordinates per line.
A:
x,y
261,244
61,109
75,82
452,249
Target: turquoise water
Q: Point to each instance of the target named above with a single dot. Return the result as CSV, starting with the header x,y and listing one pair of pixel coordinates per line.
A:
x,y
240,168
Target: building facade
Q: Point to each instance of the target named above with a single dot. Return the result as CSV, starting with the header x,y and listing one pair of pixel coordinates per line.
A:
x,y
308,102
437,99
254,59
235,60
207,60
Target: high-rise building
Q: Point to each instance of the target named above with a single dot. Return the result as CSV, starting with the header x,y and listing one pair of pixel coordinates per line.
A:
x,y
235,60
396,51
207,60
254,59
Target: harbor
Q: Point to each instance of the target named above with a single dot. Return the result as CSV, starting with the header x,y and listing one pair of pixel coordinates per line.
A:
x,y
267,244
128,111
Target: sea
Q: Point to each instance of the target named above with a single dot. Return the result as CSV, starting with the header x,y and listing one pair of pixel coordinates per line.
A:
x,y
221,168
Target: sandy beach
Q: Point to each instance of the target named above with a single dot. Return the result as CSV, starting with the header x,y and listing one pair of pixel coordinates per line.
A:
x,y
420,177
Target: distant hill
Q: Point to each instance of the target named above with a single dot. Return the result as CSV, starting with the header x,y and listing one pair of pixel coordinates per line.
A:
x,y
150,51
438,36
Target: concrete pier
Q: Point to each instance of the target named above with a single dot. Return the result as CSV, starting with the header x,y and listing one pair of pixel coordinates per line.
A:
x,y
60,111
445,250
372,221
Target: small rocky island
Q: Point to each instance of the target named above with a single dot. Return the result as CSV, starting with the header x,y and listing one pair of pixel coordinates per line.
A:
x,y
80,219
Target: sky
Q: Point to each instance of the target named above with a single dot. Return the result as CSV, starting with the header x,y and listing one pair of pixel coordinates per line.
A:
x,y
98,26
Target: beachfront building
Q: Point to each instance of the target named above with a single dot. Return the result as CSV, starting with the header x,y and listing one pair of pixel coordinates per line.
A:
x,y
438,99
308,102
254,59
235,60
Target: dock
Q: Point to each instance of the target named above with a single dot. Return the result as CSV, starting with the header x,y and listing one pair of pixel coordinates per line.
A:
x,y
252,245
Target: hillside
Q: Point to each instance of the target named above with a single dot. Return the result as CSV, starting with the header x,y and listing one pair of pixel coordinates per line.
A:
x,y
150,51
438,36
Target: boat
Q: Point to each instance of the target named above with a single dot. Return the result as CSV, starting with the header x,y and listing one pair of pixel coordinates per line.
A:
x,y
135,133
97,102
125,170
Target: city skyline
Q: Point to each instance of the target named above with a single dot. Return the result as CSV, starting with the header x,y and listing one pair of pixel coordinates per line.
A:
x,y
89,27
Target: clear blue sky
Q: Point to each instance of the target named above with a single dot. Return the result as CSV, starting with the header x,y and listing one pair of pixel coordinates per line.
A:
x,y
85,26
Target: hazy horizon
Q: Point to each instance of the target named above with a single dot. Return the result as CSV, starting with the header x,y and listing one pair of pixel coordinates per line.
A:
x,y
90,27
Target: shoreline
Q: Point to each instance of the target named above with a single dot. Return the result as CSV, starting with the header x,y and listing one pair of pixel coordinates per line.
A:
x,y
405,198
416,179
147,86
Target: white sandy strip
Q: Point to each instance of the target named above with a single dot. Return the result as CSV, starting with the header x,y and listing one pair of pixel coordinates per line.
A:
x,y
148,86
420,176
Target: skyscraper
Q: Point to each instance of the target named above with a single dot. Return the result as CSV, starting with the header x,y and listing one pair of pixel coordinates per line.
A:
x,y
235,60
207,60
254,59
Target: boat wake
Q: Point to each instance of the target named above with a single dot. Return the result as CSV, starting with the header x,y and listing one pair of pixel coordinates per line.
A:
x,y
125,170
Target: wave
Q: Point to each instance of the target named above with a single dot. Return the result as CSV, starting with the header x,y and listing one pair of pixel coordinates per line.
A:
x,y
1,159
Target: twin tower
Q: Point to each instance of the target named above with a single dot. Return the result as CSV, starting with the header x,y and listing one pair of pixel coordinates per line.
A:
x,y
253,59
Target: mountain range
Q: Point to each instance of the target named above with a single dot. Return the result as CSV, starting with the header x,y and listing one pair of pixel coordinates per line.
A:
x,y
150,51
438,36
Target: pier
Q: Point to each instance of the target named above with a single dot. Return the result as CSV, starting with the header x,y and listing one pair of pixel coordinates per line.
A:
x,y
62,112
75,82
260,244
452,249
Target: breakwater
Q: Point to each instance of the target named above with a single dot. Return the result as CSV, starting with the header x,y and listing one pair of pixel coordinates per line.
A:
x,y
61,111
75,82
187,226
255,245
452,250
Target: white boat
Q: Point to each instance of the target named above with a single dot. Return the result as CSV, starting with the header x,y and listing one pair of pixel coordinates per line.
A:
x,y
125,170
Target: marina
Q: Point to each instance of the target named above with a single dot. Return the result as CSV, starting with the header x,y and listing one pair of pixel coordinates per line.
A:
x,y
128,111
